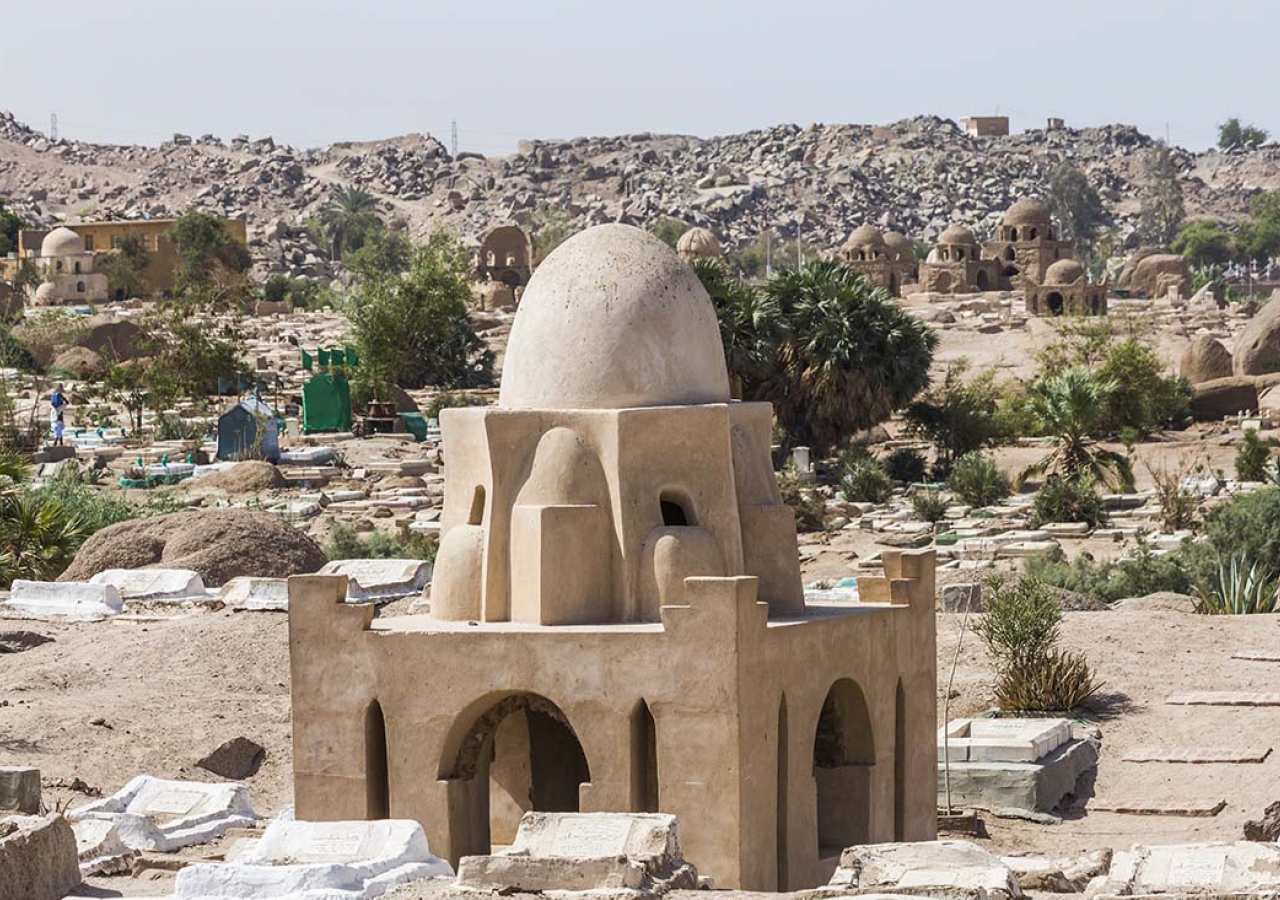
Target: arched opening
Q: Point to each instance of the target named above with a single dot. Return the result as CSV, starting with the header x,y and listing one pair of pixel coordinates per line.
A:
x,y
1054,302
79,287
1010,271
476,515
784,879
862,256
981,280
1051,235
377,783
843,759
511,279
1031,234
677,511
900,764
517,754
58,266
1013,234
644,760
77,269
893,283
959,254
1095,305
1009,254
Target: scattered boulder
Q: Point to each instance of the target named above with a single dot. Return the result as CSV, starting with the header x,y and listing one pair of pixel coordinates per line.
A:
x,y
248,477
1257,349
219,544
1266,828
1153,274
112,338
38,859
1205,359
237,759
20,789
1212,401
81,362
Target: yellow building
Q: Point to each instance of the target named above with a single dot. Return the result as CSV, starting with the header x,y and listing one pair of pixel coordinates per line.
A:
x,y
99,237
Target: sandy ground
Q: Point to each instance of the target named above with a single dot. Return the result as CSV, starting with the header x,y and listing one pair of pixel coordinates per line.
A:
x,y
171,691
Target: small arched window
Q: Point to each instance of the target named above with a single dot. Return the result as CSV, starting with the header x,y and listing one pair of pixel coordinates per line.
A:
x,y
677,510
77,268
80,287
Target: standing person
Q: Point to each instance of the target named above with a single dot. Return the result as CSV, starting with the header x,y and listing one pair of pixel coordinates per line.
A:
x,y
57,402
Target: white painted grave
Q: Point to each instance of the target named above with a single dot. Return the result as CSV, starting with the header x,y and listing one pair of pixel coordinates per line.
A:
x,y
72,600
319,861
1002,740
247,593
153,585
1242,867
156,814
380,580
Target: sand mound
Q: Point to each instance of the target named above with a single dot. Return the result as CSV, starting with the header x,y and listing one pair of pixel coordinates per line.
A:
x,y
220,544
248,477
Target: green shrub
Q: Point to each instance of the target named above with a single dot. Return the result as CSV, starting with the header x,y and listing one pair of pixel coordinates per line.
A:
x,y
345,543
978,481
1020,631
1248,525
1065,499
1238,587
956,416
811,512
928,505
96,509
1111,580
861,478
1252,456
1178,505
905,465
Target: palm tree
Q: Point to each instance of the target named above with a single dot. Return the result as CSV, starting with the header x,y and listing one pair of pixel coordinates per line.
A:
x,y
849,358
38,535
1070,406
750,323
348,215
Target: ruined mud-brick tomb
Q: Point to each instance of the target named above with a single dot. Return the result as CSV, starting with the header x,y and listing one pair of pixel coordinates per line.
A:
x,y
617,621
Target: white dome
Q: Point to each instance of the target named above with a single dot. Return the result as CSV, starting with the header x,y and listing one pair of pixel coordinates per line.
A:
x,y
62,242
46,293
698,243
614,319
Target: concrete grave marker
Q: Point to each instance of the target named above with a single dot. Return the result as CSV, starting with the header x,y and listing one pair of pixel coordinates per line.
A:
x,y
59,599
380,580
153,585
1223,698
155,814
258,594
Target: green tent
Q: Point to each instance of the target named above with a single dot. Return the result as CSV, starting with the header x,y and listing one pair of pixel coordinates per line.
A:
x,y
326,404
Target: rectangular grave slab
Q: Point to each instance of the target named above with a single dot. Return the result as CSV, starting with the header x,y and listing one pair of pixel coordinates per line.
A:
x,y
953,869
20,789
1257,656
1140,806
246,593
585,852
1003,740
1219,869
157,814
1223,698
1197,755
302,860
153,585
1033,786
69,600
380,580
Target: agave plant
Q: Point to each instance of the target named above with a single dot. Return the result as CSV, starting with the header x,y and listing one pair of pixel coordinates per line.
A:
x,y
1238,587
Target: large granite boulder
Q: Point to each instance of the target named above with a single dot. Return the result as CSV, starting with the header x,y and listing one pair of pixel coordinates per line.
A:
x,y
1152,275
219,544
1204,360
38,858
1258,346
1214,400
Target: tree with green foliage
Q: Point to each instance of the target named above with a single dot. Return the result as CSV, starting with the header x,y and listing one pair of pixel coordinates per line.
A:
x,y
957,416
125,268
548,227
1143,398
348,219
849,356
412,328
1204,242
1162,210
1076,205
1258,237
211,269
10,224
1232,134
668,230
1070,406
750,324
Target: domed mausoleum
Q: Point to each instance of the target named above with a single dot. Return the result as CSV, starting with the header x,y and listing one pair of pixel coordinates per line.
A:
x,y
617,621
870,253
67,268
698,243
1066,290
1028,243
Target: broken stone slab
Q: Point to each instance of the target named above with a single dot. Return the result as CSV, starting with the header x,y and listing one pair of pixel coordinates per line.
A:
x,y
1197,755
153,585
615,852
1027,549
1266,828
1058,876
156,814
37,858
20,789
256,594
1221,869
954,869
100,849
64,599
1141,806
320,860
1223,698
962,597
380,580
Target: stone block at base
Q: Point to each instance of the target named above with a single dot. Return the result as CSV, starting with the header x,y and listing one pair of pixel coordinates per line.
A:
x,y
1217,869
576,852
952,869
1038,785
20,790
37,858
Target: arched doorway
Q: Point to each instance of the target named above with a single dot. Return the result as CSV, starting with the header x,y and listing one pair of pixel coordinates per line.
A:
x,y
518,753
1054,303
981,280
784,876
844,756
900,763
376,777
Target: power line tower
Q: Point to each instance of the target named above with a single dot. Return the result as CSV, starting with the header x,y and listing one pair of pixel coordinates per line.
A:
x,y
53,126
453,137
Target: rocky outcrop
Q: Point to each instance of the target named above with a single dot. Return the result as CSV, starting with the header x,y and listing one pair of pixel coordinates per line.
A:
x,y
1214,400
1204,360
1154,274
1257,349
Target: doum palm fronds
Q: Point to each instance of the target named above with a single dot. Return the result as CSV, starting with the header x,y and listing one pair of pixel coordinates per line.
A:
x,y
1069,406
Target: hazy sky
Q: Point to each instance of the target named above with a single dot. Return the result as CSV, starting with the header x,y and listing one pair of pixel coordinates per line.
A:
x,y
309,72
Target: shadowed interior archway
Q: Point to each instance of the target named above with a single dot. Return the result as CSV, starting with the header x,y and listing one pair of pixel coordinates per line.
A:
x,y
844,756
